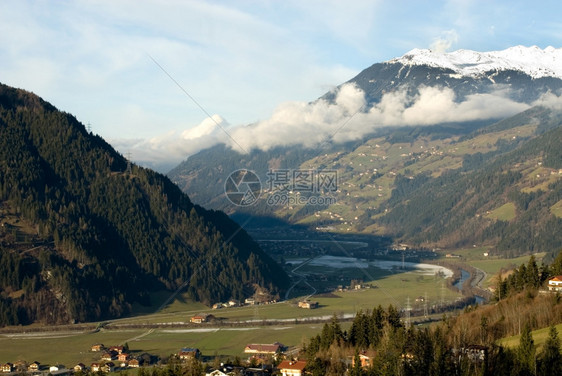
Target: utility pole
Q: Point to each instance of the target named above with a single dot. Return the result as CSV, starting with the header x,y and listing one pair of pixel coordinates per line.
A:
x,y
425,310
408,309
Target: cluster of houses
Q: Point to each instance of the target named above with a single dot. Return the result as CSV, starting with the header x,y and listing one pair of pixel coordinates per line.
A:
x,y
35,368
355,284
247,302
261,356
112,357
285,368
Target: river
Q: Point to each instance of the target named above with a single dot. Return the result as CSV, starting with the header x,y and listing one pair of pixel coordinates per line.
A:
x,y
464,276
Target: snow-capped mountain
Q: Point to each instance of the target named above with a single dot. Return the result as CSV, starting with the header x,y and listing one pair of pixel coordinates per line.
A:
x,y
423,93
523,73
533,61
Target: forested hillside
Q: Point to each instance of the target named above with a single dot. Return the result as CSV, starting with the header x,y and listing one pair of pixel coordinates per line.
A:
x,y
500,198
464,344
83,236
446,186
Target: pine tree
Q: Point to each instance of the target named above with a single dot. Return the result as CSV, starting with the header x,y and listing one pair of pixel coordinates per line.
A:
x,y
556,265
551,359
356,370
526,352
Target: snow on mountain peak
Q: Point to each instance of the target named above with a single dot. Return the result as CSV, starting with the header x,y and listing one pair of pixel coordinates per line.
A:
x,y
533,60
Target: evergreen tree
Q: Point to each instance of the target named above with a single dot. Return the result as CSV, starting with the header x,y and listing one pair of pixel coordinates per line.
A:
x,y
556,265
526,352
551,359
356,370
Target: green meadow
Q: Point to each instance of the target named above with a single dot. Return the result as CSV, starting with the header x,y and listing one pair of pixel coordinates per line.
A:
x,y
539,337
70,347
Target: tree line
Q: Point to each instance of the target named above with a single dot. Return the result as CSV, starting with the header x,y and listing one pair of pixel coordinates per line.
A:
x,y
110,235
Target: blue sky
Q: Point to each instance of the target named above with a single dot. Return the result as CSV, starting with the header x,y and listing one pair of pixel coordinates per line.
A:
x,y
238,59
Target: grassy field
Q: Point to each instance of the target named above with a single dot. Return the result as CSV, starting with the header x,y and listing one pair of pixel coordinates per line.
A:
x,y
70,348
391,289
491,265
386,288
505,212
539,336
556,209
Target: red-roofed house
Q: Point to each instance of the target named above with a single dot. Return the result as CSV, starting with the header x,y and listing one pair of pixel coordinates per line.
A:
x,y
33,367
256,348
108,356
188,353
292,367
80,367
117,349
555,283
201,318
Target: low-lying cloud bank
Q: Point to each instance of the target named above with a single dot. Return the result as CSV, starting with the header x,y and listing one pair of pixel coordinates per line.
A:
x,y
311,124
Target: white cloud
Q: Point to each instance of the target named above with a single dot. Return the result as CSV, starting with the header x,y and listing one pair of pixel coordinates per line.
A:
x,y
311,124
165,151
445,41
550,100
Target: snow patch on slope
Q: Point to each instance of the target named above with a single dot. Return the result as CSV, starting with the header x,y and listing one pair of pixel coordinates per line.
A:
x,y
534,61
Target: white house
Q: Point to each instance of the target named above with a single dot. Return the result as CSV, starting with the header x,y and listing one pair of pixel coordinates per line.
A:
x,y
555,284
292,367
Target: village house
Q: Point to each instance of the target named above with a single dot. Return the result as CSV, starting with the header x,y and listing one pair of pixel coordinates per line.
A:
x,y
365,358
7,367
108,367
292,367
201,318
555,284
56,368
80,367
307,304
134,363
258,371
257,348
95,367
98,347
20,366
116,349
474,353
216,372
34,367
123,357
189,353
108,356
226,370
